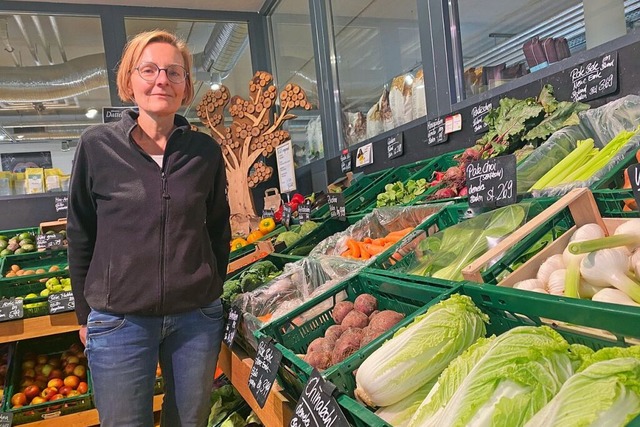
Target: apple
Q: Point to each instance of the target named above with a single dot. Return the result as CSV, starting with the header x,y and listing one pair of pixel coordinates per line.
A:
x,y
38,399
28,364
68,369
31,391
29,356
73,359
57,396
41,383
72,381
73,393
76,348
55,383
46,369
38,368
56,373
42,359
48,393
83,387
29,372
80,372
26,382
18,399
55,362
64,390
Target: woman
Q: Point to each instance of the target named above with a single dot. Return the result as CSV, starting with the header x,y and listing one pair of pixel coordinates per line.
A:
x,y
148,229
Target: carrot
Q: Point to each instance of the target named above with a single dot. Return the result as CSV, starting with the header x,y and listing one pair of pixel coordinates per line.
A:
x,y
364,254
379,242
392,239
367,240
353,246
627,181
402,232
373,249
265,318
346,253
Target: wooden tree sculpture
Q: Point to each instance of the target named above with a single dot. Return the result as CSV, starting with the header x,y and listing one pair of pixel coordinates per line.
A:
x,y
251,137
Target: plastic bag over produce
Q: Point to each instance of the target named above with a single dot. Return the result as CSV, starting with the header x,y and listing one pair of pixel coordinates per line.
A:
x,y
299,282
601,124
377,224
444,254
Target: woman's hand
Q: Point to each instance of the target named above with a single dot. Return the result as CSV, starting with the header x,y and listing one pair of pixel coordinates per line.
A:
x,y
83,334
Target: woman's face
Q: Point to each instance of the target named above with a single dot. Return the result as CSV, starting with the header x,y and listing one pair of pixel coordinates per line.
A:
x,y
158,95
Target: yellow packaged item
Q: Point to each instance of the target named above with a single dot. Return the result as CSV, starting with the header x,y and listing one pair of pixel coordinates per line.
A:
x,y
35,180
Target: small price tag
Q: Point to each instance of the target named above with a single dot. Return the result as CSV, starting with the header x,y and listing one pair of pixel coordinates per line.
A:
x,y
492,183
60,302
11,309
61,203
267,213
231,326
264,370
304,211
634,178
49,241
286,216
595,78
435,132
395,146
478,113
316,406
6,419
337,207
345,161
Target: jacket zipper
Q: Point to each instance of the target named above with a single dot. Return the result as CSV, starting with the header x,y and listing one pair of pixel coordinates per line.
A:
x,y
163,225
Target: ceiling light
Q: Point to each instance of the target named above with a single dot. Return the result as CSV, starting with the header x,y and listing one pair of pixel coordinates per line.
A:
x,y
2,137
91,113
20,136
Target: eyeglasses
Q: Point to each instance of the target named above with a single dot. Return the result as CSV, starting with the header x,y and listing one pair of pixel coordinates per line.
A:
x,y
150,72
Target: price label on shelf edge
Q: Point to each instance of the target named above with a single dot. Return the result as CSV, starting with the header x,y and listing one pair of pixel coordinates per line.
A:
x,y
395,146
492,183
337,208
11,309
594,79
231,327
634,179
264,370
316,406
304,211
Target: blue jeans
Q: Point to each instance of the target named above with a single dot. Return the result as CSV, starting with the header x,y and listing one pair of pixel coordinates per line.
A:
x,y
123,351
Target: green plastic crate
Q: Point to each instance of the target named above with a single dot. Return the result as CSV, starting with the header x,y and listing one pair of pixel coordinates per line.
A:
x,y
611,203
48,345
279,260
407,297
358,185
22,286
358,415
306,243
614,179
34,261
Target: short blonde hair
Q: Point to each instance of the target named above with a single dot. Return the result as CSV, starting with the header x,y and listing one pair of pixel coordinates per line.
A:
x,y
132,53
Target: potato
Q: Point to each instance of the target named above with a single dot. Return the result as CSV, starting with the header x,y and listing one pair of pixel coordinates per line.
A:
x,y
384,320
373,314
346,345
365,303
355,319
318,359
333,332
340,310
319,344
369,334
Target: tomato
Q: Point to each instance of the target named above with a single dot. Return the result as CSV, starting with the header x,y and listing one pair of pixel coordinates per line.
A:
x,y
267,225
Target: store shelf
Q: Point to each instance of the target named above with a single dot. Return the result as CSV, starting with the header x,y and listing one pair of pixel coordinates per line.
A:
x,y
83,419
41,326
237,365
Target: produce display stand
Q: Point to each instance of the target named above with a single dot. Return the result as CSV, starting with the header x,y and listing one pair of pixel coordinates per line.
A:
x,y
262,249
236,365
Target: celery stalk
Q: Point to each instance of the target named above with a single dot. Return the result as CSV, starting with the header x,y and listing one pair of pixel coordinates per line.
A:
x,y
569,162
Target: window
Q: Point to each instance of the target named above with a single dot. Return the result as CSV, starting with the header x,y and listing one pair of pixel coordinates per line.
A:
x,y
295,62
379,65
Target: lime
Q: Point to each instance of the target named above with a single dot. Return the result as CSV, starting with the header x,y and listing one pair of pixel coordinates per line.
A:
x,y
23,236
29,247
3,244
19,251
3,237
6,252
45,293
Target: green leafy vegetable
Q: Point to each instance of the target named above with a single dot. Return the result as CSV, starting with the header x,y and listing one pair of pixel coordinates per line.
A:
x,y
399,193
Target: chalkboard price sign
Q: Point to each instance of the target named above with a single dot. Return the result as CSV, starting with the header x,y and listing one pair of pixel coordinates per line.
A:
x,y
492,182
6,419
264,370
61,302
436,132
316,406
286,216
304,211
478,113
61,203
231,326
337,207
594,79
395,146
267,213
634,178
49,241
345,161
11,309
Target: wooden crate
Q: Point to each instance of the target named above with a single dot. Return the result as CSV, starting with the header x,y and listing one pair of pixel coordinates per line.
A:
x,y
56,226
263,248
583,209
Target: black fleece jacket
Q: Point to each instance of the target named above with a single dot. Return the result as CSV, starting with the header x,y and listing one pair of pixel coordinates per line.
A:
x,y
143,239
